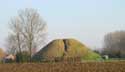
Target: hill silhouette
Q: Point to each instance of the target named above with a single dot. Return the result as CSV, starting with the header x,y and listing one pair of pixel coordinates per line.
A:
x,y
60,48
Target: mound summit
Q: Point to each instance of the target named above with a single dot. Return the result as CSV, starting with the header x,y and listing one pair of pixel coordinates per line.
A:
x,y
61,48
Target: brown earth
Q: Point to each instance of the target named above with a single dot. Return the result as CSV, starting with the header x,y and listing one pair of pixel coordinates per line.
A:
x,y
65,67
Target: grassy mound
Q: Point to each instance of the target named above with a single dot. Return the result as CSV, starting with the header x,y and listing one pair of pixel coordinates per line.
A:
x,y
75,48
65,48
53,49
2,54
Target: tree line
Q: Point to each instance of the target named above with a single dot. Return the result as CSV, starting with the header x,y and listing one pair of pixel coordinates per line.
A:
x,y
114,44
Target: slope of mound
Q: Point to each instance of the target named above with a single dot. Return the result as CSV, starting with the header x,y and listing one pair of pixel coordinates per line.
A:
x,y
92,56
64,48
75,48
2,54
53,49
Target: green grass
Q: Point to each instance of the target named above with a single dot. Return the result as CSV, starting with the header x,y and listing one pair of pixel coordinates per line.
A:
x,y
92,56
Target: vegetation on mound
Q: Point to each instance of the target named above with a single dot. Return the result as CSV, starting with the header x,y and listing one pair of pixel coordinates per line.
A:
x,y
75,48
53,49
92,56
65,48
1,53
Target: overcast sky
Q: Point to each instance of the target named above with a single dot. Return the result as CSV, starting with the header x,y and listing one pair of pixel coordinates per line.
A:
x,y
85,20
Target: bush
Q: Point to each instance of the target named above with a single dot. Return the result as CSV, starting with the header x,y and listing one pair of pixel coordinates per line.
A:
x,y
22,57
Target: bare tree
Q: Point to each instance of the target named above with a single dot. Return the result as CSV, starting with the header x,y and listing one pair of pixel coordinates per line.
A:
x,y
11,44
14,41
29,29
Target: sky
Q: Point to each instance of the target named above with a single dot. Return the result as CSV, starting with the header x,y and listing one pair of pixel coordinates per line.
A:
x,y
85,20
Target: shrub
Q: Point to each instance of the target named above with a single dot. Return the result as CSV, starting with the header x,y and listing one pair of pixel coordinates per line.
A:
x,y
22,57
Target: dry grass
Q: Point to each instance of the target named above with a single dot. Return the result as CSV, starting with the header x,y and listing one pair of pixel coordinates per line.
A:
x,y
57,48
65,67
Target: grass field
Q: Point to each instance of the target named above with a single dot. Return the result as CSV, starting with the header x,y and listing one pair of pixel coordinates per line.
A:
x,y
65,67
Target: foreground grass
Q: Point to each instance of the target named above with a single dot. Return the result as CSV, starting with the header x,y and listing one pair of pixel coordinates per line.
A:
x,y
65,67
